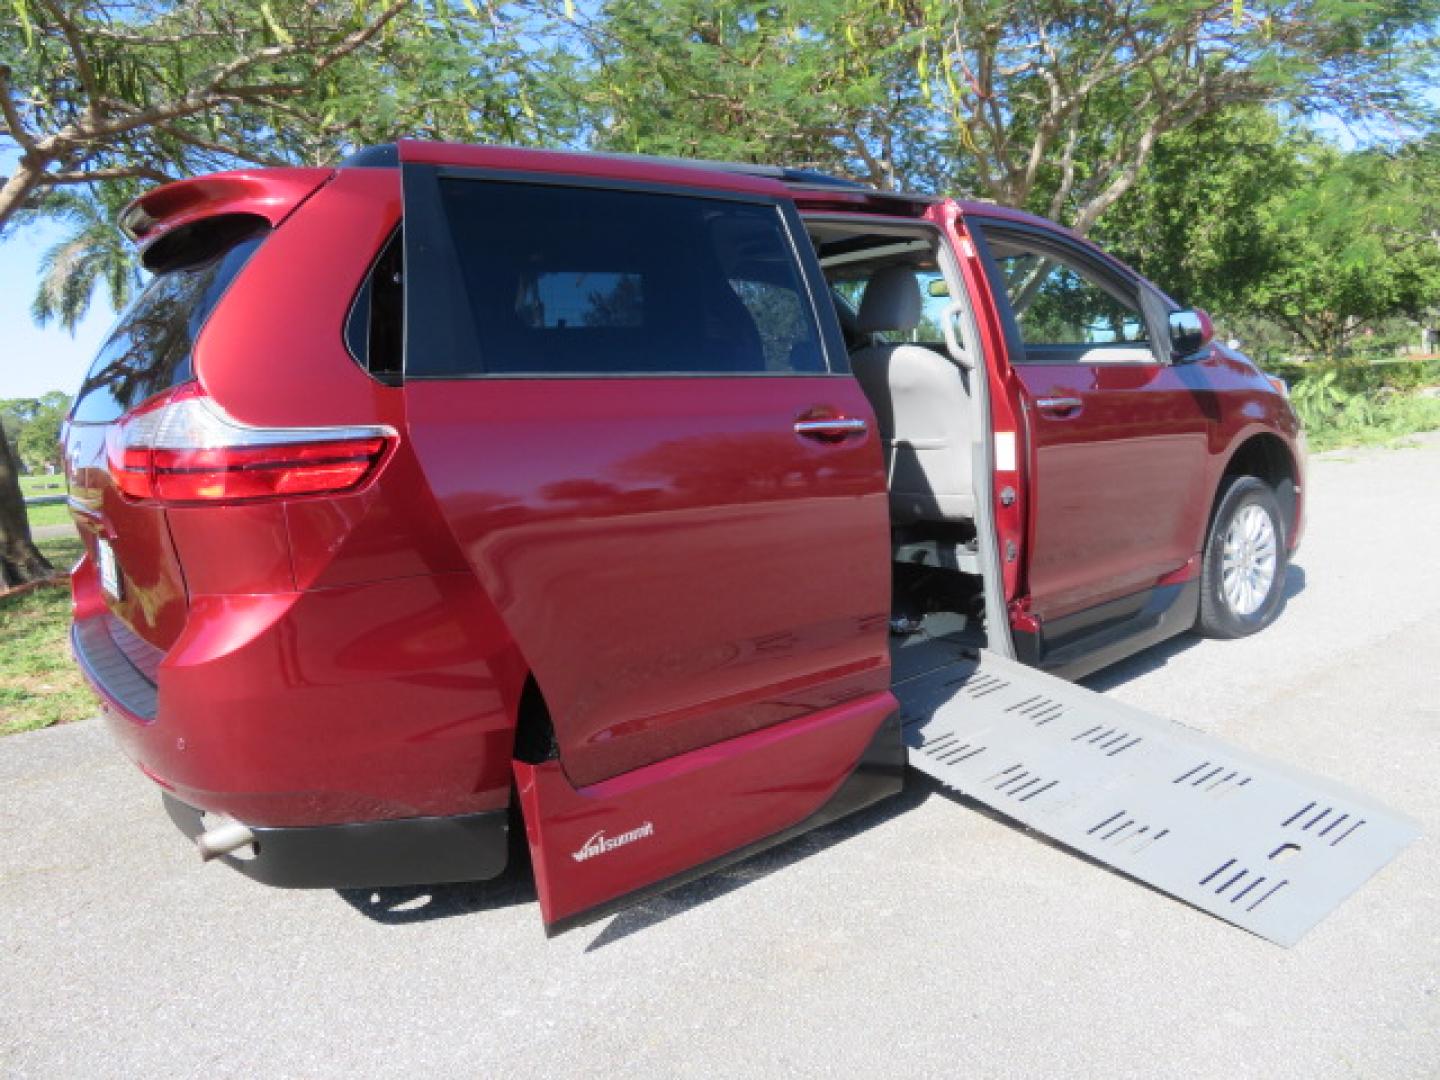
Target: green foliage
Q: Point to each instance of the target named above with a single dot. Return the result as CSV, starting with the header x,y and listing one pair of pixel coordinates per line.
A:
x,y
1359,404
33,427
1326,245
93,254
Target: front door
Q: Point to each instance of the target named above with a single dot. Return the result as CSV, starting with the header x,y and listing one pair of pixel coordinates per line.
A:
x,y
1118,438
645,441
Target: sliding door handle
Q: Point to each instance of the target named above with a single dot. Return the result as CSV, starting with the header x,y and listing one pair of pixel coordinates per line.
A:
x,y
1060,408
830,428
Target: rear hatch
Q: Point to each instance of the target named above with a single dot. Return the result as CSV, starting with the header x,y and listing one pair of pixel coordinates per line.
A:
x,y
198,235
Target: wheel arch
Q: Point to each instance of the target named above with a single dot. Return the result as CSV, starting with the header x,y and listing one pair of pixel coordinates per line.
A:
x,y
1265,456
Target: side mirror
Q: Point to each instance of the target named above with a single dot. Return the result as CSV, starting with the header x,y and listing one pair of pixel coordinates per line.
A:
x,y
1190,331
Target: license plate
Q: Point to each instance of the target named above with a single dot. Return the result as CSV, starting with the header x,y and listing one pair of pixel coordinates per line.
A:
x,y
109,571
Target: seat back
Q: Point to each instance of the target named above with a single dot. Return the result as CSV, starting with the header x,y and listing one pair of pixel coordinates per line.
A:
x,y
922,404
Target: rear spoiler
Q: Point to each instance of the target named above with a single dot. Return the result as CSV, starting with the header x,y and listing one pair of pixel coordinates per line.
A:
x,y
269,194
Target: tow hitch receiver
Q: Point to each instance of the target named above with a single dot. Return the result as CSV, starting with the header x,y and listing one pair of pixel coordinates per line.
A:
x,y
1258,844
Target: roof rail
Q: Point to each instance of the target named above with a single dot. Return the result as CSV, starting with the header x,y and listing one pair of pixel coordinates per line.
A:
x,y
387,156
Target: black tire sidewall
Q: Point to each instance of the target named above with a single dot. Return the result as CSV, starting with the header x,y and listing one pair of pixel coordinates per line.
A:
x,y
1217,618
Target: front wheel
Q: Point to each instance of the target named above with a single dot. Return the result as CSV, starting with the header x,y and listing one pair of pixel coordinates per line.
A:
x,y
1243,574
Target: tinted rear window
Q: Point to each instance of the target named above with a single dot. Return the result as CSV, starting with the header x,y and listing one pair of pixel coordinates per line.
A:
x,y
149,349
596,281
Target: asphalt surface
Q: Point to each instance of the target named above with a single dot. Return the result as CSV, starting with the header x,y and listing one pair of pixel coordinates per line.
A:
x,y
926,937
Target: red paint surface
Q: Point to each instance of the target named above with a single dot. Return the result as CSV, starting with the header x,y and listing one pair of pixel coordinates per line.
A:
x,y
694,807
676,565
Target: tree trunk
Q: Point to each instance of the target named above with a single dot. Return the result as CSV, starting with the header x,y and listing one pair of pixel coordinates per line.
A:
x,y
20,559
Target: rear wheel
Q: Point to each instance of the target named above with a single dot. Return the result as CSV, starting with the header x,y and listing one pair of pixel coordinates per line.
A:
x,y
1243,574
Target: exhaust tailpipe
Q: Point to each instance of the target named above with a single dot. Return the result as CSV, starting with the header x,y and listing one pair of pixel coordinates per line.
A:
x,y
223,839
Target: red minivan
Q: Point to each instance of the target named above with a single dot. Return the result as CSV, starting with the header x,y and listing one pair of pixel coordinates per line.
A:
x,y
461,486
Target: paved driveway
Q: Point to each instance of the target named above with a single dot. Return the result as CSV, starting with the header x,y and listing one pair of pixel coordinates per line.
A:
x,y
924,938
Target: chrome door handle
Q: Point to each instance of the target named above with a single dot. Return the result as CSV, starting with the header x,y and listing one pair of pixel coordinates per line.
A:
x,y
1060,407
831,429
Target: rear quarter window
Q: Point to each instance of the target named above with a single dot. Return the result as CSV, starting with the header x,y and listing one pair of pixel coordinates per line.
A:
x,y
149,349
559,280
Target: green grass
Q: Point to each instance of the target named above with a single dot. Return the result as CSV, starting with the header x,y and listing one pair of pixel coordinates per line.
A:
x,y
33,486
59,514
42,485
39,683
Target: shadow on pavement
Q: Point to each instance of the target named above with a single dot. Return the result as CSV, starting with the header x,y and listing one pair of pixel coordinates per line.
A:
x,y
399,905
1157,656
696,893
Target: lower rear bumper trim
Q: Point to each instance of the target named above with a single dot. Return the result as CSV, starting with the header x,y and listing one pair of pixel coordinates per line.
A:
x,y
368,854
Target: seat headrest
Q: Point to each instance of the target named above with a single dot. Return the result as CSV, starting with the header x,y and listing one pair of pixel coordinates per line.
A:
x,y
892,301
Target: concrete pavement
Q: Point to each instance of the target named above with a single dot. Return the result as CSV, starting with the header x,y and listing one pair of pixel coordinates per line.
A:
x,y
926,937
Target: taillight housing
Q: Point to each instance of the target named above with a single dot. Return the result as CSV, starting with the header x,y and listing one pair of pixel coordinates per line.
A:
x,y
180,447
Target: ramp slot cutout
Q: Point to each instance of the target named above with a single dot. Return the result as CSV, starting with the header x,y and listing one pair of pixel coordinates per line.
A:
x,y
1107,821
1232,881
1298,813
1217,871
1274,889
1347,832
1241,894
1039,791
1316,819
1192,772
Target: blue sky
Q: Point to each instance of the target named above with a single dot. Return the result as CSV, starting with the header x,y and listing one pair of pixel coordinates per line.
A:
x,y
33,361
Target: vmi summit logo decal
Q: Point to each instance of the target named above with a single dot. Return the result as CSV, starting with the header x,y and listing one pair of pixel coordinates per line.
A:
x,y
599,844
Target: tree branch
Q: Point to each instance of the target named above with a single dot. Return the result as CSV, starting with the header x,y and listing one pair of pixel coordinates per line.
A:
x,y
23,138
118,172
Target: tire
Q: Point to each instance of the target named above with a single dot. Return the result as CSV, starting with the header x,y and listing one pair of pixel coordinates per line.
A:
x,y
1249,516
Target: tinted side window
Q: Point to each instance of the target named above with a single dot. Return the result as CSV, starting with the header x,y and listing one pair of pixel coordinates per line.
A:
x,y
374,330
1066,310
1058,305
595,281
149,349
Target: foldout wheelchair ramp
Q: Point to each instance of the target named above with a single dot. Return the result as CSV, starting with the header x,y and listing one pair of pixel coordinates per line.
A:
x,y
1258,844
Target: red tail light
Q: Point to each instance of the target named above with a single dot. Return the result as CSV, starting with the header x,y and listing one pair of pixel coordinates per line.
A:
x,y
180,447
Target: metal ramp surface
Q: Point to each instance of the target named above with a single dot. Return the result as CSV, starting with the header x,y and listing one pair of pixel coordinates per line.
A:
x,y
1254,842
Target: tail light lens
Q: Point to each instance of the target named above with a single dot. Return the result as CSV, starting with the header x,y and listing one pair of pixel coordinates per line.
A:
x,y
181,447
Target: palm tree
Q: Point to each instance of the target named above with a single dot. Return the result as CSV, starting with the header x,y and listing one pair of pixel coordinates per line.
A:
x,y
94,254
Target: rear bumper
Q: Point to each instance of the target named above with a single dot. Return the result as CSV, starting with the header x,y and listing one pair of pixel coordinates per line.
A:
x,y
368,854
390,700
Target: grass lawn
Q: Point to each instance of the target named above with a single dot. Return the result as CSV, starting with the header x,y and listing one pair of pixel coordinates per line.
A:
x,y
42,485
33,486
39,683
59,514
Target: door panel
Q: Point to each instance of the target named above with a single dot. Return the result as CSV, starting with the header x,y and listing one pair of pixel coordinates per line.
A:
x,y
1118,440
1119,480
621,400
676,564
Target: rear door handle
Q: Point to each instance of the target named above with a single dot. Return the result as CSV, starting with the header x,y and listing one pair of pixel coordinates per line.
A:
x,y
1060,408
830,428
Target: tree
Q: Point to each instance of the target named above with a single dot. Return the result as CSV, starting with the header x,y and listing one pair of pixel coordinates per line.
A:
x,y
1044,104
96,94
93,254
1346,253
39,440
1197,221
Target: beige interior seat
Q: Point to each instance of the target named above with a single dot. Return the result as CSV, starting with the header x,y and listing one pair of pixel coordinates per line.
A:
x,y
922,402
